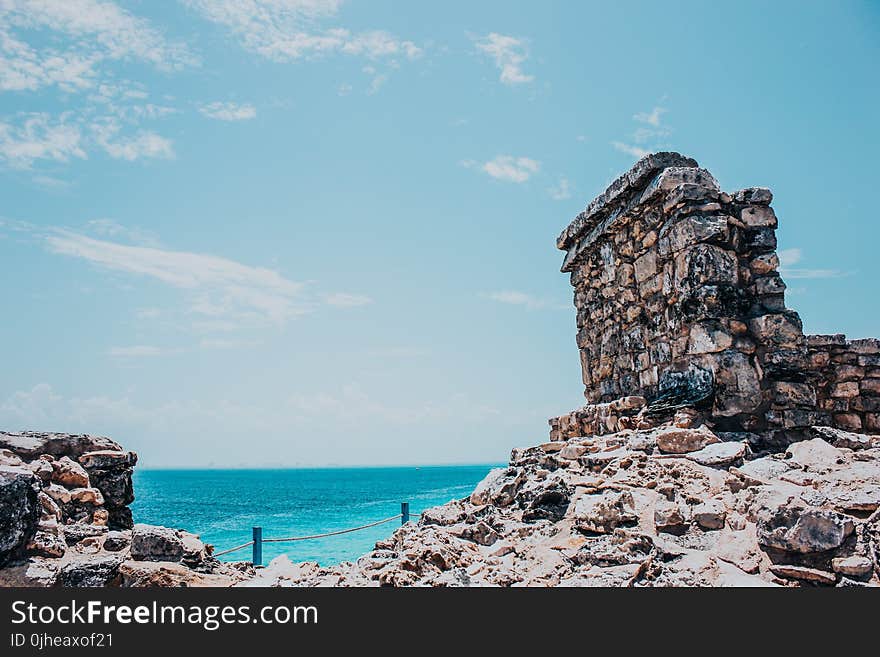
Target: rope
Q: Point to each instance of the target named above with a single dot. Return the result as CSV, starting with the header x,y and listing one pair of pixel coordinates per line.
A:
x,y
336,533
306,538
235,549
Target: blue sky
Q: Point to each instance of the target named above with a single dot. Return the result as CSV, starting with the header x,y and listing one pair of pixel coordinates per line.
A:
x,y
311,232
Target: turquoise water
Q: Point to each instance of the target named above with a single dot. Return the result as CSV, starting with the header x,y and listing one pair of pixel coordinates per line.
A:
x,y
223,505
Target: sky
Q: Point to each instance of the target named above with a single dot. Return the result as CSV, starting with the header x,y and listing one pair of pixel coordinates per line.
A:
x,y
279,233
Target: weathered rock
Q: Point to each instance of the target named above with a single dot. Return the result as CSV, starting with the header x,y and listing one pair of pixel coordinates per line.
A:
x,y
19,510
670,517
69,473
788,524
154,543
719,454
604,512
853,566
166,574
33,444
35,572
87,496
76,532
804,573
815,455
710,514
115,541
499,487
92,571
108,460
674,440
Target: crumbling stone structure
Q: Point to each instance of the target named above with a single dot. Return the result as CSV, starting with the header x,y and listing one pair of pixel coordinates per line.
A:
x,y
679,303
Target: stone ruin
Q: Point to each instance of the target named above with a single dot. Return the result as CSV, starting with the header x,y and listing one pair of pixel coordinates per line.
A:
x,y
680,304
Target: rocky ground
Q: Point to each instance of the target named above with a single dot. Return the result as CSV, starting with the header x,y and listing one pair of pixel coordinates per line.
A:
x,y
670,505
658,504
65,520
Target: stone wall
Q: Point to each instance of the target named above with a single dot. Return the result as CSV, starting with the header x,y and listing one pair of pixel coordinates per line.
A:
x,y
679,301
847,381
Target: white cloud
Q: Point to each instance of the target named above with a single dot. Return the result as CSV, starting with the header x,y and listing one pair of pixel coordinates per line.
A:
x,y
343,300
644,136
789,257
651,118
136,351
144,144
97,30
516,298
225,343
635,151
40,138
110,228
221,289
508,53
561,191
508,168
229,111
287,30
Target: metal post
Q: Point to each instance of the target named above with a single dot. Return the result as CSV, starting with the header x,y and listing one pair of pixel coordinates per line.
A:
x,y
258,546
404,513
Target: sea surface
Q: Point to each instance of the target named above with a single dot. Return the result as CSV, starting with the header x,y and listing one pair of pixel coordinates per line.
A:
x,y
223,505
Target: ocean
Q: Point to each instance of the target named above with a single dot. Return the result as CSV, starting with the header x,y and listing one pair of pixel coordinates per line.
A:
x,y
223,505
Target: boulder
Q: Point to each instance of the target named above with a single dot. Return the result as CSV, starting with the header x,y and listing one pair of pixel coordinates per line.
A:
x,y
787,523
90,571
20,510
816,455
604,512
77,531
107,459
35,572
852,566
166,574
33,444
154,543
719,455
115,541
710,514
87,496
670,517
675,440
69,473
498,487
803,573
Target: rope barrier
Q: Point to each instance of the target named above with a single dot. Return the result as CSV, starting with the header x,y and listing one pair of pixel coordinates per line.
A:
x,y
336,533
313,536
235,549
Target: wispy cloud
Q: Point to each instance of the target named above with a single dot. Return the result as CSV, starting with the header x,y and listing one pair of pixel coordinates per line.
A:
x,y
110,228
629,149
516,298
287,30
136,351
221,294
97,31
228,111
651,118
561,191
647,137
144,144
39,137
507,168
509,54
343,300
790,257
221,288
